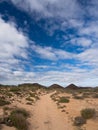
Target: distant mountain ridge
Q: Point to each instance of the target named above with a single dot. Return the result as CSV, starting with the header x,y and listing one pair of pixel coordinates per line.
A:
x,y
32,84
53,86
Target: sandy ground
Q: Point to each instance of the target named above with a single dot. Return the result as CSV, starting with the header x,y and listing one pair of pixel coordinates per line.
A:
x,y
4,127
47,116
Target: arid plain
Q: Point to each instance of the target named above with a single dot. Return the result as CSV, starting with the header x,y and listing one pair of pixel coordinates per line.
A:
x,y
35,107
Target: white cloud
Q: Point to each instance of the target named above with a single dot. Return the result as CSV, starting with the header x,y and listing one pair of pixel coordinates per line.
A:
x,y
82,41
51,8
92,8
89,57
44,52
16,77
81,78
76,23
90,30
13,44
50,53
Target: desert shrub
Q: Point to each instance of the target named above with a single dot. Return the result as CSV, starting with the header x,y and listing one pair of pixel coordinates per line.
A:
x,y
17,118
36,97
63,100
29,99
54,99
78,97
9,94
4,102
20,111
32,94
88,113
61,107
78,121
19,121
15,89
6,108
29,103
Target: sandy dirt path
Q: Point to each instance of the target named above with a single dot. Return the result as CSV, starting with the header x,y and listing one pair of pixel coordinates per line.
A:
x,y
4,127
47,116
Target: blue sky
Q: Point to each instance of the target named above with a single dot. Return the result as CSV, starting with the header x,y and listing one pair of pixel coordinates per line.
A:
x,y
49,41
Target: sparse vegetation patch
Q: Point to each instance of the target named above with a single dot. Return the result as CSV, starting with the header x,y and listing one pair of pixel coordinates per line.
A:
x,y
4,102
18,118
20,111
78,121
78,97
63,100
88,113
19,121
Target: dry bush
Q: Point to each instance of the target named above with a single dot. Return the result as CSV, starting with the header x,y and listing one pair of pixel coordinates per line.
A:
x,y
4,102
18,118
78,121
88,113
63,100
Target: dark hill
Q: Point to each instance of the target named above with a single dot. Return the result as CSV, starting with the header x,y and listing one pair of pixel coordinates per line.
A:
x,y
56,86
72,86
34,85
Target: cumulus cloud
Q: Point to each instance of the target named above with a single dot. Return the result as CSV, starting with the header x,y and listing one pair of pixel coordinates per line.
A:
x,y
13,44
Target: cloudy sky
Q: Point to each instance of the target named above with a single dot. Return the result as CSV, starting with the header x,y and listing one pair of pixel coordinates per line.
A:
x,y
49,41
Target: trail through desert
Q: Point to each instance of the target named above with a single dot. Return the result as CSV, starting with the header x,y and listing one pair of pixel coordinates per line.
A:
x,y
47,116
48,113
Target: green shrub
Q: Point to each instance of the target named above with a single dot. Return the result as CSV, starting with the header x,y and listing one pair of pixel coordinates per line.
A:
x,y
34,95
18,118
19,121
3,102
88,113
20,111
9,94
63,100
15,89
